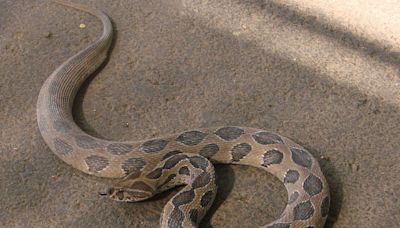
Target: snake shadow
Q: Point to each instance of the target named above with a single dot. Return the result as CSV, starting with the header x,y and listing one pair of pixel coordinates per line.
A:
x,y
225,181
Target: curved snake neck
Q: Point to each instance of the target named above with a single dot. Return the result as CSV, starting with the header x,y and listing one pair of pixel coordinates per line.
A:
x,y
144,168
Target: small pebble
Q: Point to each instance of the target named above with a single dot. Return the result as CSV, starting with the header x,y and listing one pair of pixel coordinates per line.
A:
x,y
354,167
82,26
48,34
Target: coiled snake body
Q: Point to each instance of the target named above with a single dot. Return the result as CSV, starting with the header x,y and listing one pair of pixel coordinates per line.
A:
x,y
145,168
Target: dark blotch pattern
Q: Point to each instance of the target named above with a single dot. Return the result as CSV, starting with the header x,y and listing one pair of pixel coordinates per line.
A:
x,y
153,146
239,151
206,198
293,197
86,142
184,171
266,138
312,185
202,180
183,198
279,225
301,157
325,206
193,215
199,162
61,126
229,133
96,163
140,185
141,195
191,138
303,211
170,154
209,150
291,176
62,147
119,148
155,174
172,161
132,165
168,180
176,218
272,157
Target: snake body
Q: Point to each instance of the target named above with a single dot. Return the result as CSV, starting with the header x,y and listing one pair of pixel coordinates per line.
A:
x,y
145,168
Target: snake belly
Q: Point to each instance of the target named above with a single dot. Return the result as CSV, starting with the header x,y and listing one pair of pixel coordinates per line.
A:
x,y
144,168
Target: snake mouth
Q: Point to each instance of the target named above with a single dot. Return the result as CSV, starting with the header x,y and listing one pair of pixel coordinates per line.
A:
x,y
127,195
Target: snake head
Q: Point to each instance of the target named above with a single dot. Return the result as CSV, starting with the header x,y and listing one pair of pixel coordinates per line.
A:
x,y
128,195
131,191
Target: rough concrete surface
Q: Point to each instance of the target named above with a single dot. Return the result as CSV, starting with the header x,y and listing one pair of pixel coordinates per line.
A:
x,y
183,64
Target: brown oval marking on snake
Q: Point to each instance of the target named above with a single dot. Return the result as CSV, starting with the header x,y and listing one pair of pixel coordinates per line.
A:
x,y
170,154
199,162
301,157
119,148
291,176
183,198
229,133
172,161
202,180
62,147
239,151
209,150
206,198
191,138
140,195
96,163
272,157
279,225
133,165
168,180
266,138
176,218
155,174
153,146
293,197
184,171
303,211
86,142
193,215
312,185
140,185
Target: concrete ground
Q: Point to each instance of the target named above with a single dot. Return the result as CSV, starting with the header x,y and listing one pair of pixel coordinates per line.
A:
x,y
328,81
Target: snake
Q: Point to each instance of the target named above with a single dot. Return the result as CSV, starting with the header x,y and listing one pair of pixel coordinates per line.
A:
x,y
141,169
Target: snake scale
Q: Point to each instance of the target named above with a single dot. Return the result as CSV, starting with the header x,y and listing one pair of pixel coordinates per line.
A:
x,y
144,168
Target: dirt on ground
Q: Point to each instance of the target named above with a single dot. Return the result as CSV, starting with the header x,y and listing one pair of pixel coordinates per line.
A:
x,y
177,65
